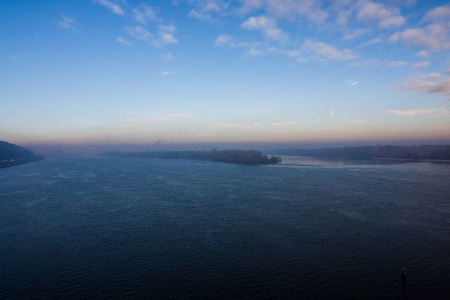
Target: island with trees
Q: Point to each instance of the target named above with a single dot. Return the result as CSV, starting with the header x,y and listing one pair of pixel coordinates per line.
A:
x,y
380,152
245,157
13,155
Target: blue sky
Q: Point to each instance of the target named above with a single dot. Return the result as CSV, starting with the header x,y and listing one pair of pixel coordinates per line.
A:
x,y
221,71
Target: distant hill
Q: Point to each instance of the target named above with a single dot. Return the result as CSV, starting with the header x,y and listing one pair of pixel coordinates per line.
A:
x,y
12,155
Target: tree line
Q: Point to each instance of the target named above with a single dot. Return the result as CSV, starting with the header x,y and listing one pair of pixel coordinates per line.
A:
x,y
246,157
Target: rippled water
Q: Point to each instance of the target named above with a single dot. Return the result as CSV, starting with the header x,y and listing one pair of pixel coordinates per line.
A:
x,y
131,228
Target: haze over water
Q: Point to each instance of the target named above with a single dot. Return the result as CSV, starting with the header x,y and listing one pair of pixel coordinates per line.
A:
x,y
128,228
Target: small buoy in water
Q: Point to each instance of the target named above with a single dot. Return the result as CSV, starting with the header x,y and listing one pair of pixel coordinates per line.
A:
x,y
404,274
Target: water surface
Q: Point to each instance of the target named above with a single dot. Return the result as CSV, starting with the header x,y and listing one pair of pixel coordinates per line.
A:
x,y
128,228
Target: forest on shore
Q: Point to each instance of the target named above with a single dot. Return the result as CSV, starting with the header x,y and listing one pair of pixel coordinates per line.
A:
x,y
246,157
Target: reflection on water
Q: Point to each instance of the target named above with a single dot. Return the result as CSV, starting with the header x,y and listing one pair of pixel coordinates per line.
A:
x,y
318,161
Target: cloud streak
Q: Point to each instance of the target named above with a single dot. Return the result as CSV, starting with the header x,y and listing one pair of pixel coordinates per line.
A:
x,y
123,41
268,26
419,111
441,87
68,23
144,13
115,8
326,51
351,82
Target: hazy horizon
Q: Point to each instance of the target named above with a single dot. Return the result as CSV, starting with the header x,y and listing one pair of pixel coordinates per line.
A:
x,y
205,73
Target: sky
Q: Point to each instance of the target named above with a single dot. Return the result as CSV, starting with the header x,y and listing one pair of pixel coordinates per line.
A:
x,y
115,72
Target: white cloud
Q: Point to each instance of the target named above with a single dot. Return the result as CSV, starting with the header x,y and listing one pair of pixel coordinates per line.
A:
x,y
366,63
432,37
167,56
143,34
227,125
115,8
419,111
68,23
374,41
355,34
254,52
398,63
123,41
223,40
331,112
387,17
423,64
428,87
291,9
351,82
433,76
447,71
139,33
277,124
168,73
326,51
166,38
423,53
198,15
438,14
144,13
167,28
252,49
268,27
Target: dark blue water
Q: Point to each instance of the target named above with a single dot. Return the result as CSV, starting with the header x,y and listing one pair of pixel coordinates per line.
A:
x,y
103,228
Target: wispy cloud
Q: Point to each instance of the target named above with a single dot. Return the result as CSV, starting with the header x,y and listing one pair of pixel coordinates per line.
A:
x,y
423,53
268,26
441,13
252,49
166,38
374,41
166,73
432,76
428,87
351,82
355,34
277,124
398,63
371,62
141,33
326,51
167,28
144,13
423,64
123,41
419,111
198,15
287,9
227,125
331,112
115,8
432,37
167,56
223,40
68,23
387,17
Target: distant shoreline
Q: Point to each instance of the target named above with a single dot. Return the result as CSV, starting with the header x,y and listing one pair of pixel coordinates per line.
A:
x,y
242,157
18,162
412,160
